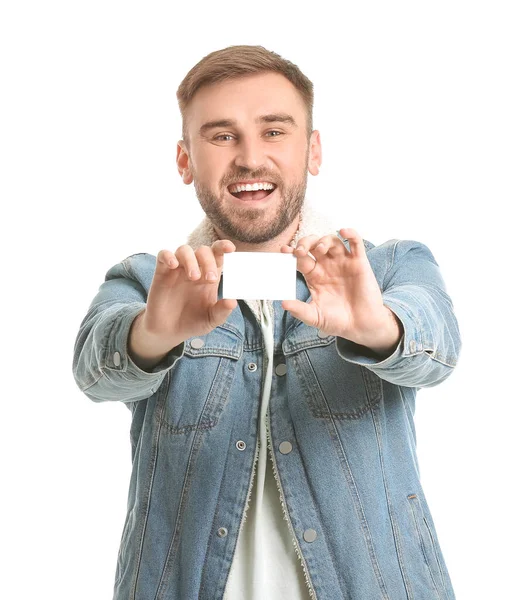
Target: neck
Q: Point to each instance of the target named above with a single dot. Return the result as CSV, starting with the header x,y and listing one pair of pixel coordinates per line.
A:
x,y
273,245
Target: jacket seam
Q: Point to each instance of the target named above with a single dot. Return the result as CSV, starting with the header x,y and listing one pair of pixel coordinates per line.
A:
x,y
163,584
421,545
391,512
145,508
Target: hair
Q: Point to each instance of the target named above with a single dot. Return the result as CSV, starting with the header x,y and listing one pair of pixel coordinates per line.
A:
x,y
235,62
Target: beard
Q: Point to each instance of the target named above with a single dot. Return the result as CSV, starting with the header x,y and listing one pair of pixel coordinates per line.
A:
x,y
250,225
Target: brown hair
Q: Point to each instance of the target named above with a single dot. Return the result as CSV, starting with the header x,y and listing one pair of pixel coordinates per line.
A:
x,y
240,61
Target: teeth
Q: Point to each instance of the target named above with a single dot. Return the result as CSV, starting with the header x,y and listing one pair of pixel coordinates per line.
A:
x,y
252,187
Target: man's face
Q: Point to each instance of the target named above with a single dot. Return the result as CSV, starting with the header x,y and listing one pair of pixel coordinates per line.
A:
x,y
248,147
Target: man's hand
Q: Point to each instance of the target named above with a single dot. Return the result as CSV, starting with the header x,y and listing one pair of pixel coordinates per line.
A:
x,y
182,301
346,300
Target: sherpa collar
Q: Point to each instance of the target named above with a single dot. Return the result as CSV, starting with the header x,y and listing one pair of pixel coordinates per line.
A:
x,y
312,222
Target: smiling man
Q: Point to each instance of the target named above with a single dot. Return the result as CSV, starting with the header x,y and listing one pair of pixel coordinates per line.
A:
x,y
324,386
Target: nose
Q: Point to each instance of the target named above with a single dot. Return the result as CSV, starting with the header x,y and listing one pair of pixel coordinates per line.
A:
x,y
250,154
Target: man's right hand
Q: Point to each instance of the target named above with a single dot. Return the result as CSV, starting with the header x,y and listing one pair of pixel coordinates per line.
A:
x,y
182,302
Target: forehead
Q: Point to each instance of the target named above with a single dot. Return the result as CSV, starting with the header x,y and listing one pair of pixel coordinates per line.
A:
x,y
245,98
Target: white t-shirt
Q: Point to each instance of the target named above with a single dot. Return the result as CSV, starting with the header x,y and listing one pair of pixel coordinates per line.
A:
x,y
265,565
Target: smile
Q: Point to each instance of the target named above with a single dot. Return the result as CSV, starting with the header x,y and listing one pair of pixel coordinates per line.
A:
x,y
252,196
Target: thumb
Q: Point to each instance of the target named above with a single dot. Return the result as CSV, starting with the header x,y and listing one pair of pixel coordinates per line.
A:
x,y
220,311
302,311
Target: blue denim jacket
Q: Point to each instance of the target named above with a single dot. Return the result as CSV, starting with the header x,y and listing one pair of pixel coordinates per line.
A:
x,y
350,484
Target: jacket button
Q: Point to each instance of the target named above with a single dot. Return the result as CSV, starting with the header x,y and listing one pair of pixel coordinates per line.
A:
x,y
320,334
281,369
252,367
197,343
310,535
117,359
240,445
285,447
222,531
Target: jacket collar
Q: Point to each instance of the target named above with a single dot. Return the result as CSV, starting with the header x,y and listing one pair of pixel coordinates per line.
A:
x,y
312,222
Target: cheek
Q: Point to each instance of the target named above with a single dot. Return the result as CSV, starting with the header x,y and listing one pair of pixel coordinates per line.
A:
x,y
209,169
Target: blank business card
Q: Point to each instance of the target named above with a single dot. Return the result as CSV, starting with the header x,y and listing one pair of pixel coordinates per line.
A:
x,y
259,276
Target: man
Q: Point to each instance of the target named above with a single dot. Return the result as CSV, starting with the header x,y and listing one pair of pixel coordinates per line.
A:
x,y
325,384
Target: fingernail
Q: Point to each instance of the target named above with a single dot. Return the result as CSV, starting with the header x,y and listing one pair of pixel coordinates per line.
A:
x,y
194,274
211,276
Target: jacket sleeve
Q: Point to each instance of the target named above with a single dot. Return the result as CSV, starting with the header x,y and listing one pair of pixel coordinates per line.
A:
x,y
413,288
102,368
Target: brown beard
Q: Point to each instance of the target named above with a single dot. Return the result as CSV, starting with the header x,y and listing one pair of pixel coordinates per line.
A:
x,y
246,224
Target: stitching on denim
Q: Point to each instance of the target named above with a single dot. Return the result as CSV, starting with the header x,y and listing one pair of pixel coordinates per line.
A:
x,y
213,529
306,344
176,537
433,542
393,522
329,414
412,502
392,260
342,416
359,509
346,469
218,393
320,520
146,502
436,359
186,428
221,351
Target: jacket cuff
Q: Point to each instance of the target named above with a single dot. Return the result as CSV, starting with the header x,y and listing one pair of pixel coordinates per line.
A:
x,y
414,340
116,356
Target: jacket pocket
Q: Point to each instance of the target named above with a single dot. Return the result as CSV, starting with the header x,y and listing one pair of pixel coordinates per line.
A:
x,y
428,545
199,384
332,386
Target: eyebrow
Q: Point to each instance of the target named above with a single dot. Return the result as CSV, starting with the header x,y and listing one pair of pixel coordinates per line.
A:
x,y
272,118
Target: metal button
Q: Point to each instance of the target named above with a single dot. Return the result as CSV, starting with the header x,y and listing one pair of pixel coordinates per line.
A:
x,y
240,445
222,531
197,343
310,535
117,359
412,346
320,334
281,369
285,447
252,367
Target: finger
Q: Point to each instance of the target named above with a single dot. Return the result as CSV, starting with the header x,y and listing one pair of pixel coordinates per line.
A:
x,y
306,264
302,311
221,310
188,261
328,244
305,244
219,248
166,261
287,249
207,264
357,247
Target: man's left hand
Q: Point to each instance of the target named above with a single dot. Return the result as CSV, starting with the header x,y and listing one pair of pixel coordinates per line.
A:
x,y
346,300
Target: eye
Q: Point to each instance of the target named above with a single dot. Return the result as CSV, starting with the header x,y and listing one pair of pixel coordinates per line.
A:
x,y
228,135
222,136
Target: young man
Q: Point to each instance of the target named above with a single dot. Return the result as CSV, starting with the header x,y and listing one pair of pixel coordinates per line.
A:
x,y
325,384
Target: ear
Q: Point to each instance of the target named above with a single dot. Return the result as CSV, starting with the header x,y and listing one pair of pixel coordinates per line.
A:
x,y
315,153
183,162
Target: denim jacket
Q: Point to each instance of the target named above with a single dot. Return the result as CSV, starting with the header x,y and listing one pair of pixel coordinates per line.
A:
x,y
348,478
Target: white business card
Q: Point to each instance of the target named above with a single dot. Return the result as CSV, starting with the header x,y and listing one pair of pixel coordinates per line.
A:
x,y
259,276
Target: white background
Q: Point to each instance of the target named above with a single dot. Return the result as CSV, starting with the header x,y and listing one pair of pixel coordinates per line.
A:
x,y
410,102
